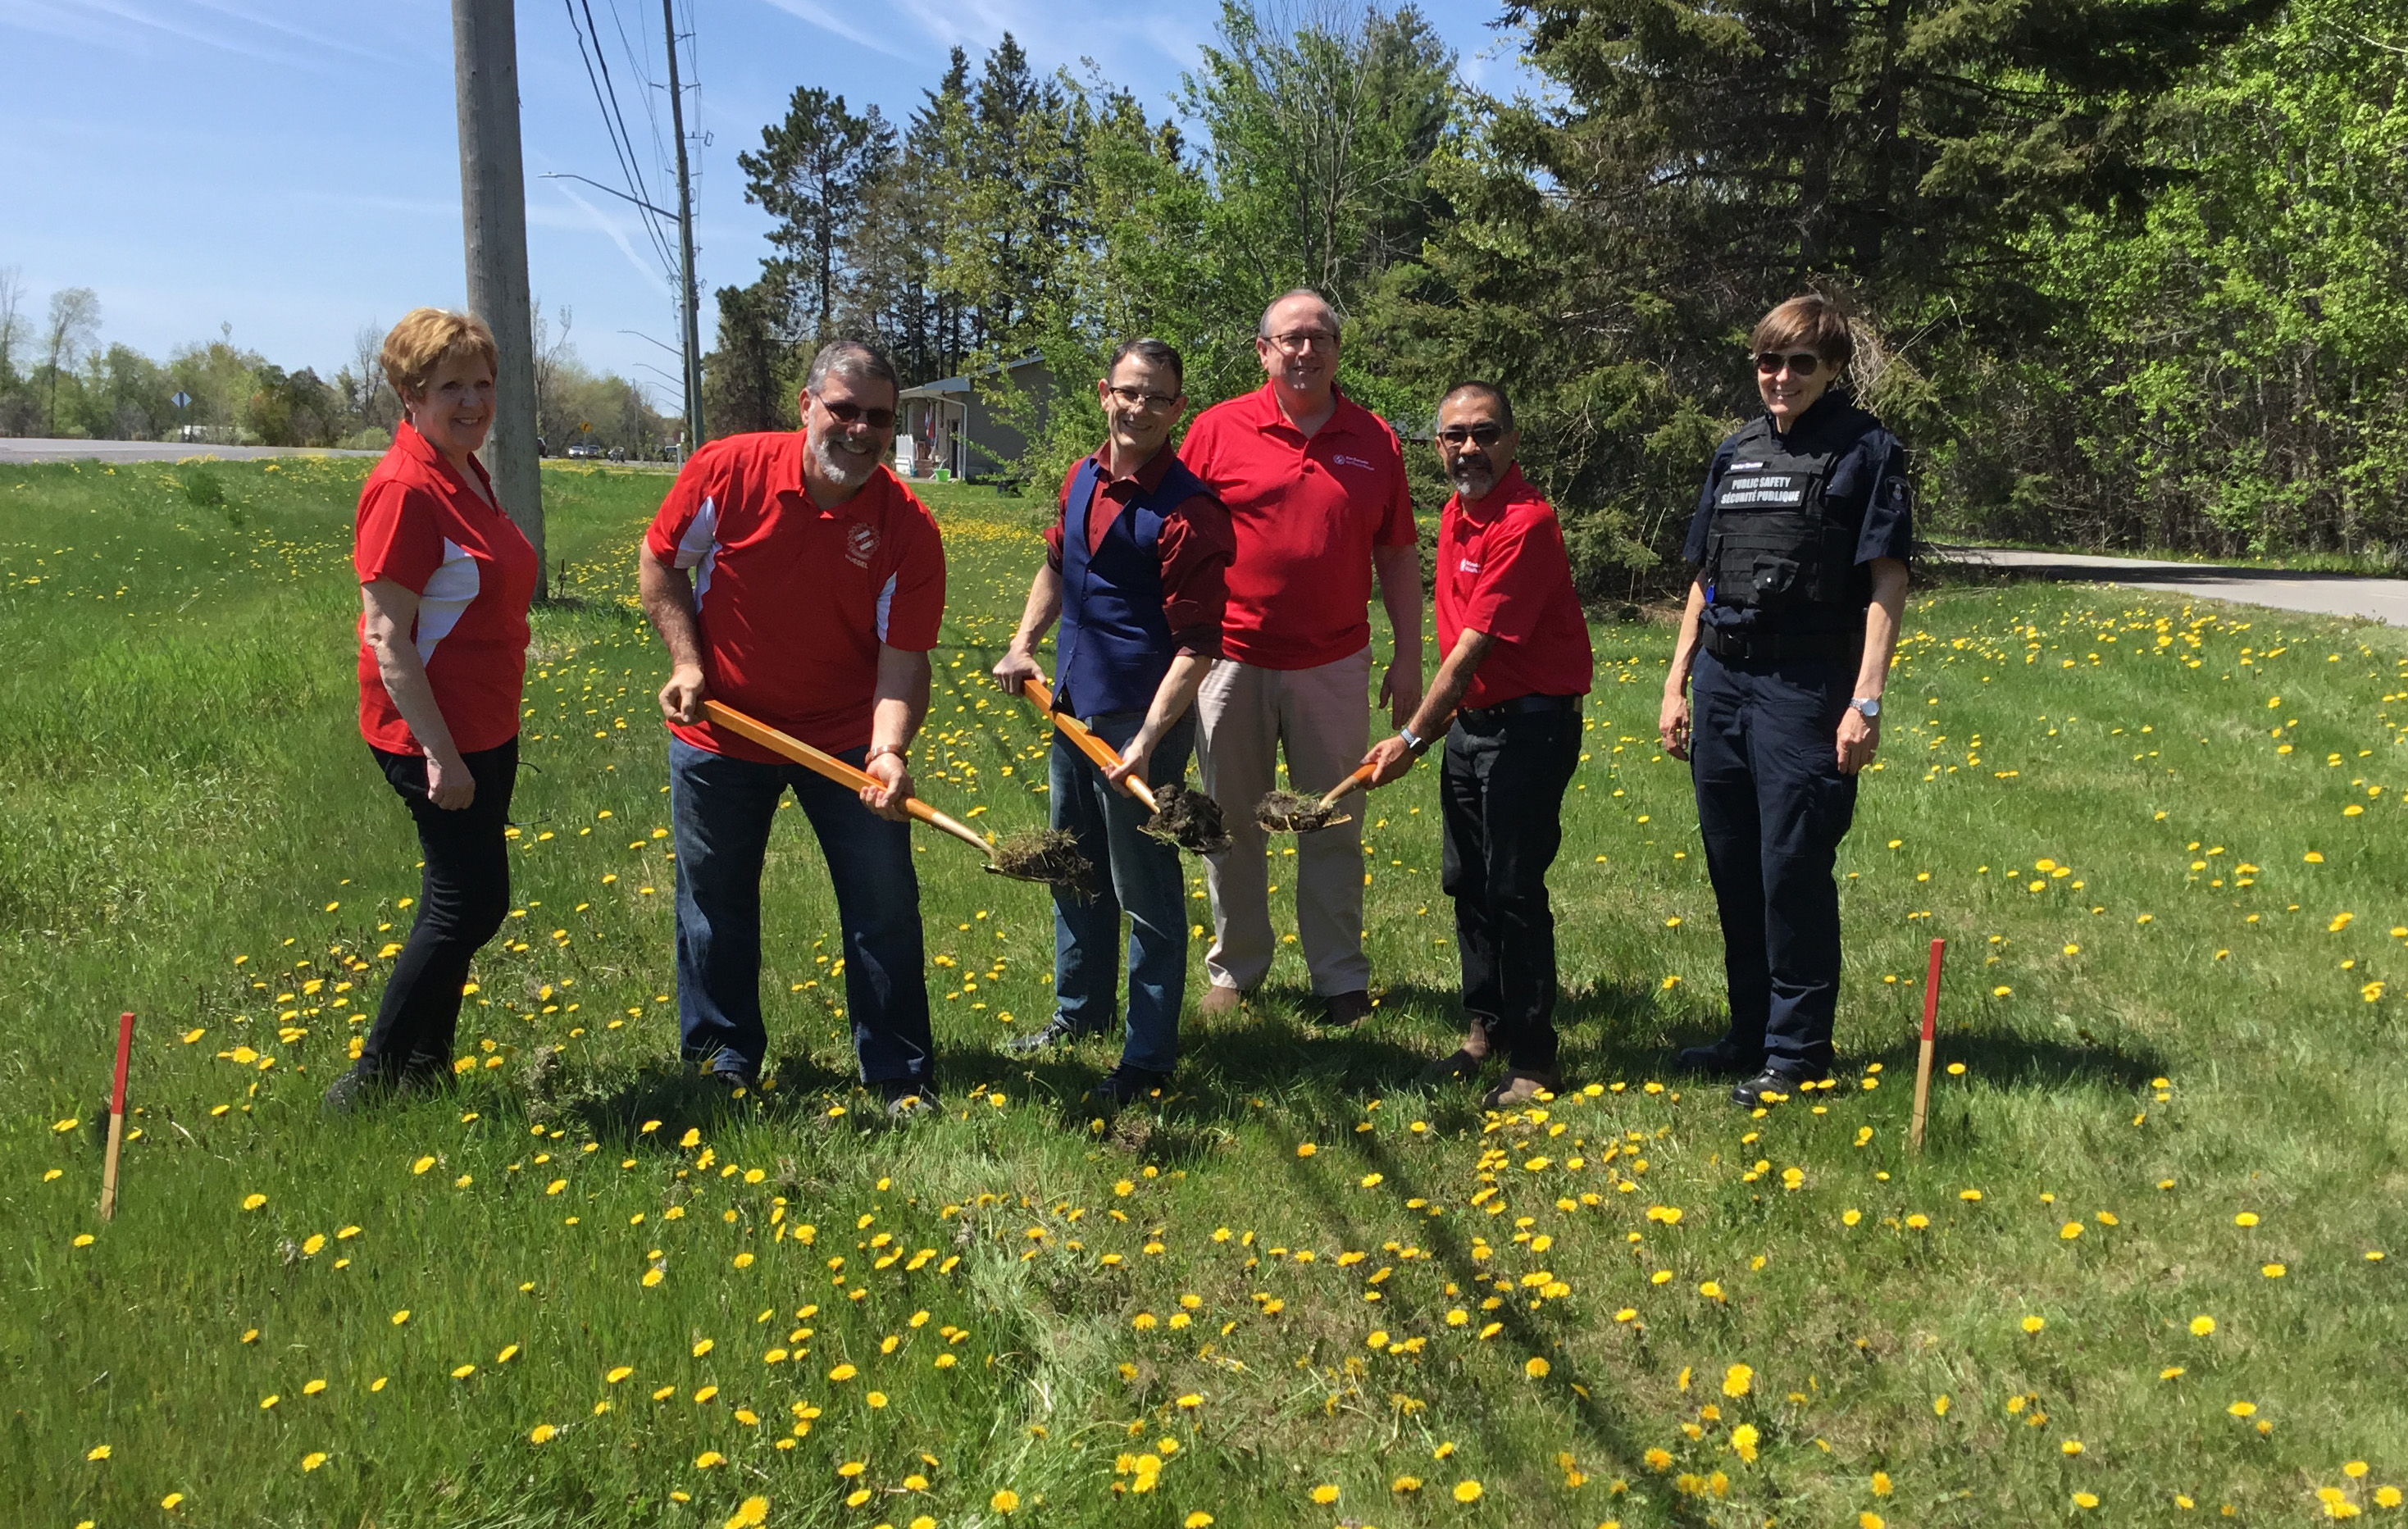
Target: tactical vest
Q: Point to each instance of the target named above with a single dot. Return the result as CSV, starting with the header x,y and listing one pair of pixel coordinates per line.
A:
x,y
1771,547
1114,644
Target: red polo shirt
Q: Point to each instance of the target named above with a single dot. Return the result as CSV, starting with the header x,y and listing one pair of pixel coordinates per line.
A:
x,y
1193,547
794,600
421,526
1305,515
1502,570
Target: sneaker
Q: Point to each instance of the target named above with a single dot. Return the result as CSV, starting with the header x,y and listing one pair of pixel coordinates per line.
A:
x,y
1057,1031
366,1084
1219,1000
906,1099
1770,1087
1722,1060
1343,1009
735,1082
1522,1087
1127,1085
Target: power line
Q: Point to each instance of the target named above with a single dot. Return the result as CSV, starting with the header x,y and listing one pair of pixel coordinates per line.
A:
x,y
614,127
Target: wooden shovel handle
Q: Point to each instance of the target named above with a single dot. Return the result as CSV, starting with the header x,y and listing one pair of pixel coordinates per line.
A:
x,y
1361,778
836,769
1084,739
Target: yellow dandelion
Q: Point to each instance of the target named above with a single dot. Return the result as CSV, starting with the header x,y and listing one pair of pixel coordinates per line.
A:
x,y
1306,1149
1197,1519
542,1433
1534,1367
709,1458
750,1514
1871,1520
252,1202
852,1468
1467,1491
1324,1494
99,1451
173,1501
2085,1500
1738,1380
2242,1410
2201,1326
2033,1325
1004,1501
1882,1484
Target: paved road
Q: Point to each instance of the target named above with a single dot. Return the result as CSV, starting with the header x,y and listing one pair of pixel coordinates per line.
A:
x,y
2383,600
31,450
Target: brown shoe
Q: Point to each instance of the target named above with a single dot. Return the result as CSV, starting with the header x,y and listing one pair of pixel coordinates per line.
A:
x,y
1521,1087
1345,1008
1219,1000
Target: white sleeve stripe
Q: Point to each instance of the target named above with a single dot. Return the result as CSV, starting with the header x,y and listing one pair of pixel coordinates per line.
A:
x,y
886,603
446,598
700,547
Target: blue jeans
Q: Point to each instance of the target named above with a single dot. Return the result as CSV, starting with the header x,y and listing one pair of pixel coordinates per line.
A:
x,y
1138,874
1773,806
720,811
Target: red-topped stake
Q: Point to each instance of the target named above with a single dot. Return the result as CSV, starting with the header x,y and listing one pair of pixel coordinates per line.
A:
x,y
115,1118
1922,1058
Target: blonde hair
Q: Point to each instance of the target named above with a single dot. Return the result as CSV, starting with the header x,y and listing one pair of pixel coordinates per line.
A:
x,y
425,338
1812,319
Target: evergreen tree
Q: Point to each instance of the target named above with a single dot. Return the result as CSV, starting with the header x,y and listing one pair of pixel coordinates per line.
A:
x,y
745,379
813,173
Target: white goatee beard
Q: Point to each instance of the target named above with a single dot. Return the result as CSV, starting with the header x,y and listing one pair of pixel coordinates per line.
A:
x,y
1474,483
845,470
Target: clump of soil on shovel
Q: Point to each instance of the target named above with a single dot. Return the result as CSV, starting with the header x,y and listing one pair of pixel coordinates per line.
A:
x,y
1190,820
1050,855
1285,812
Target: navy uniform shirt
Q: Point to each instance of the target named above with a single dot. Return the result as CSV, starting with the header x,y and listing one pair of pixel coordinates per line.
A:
x,y
1865,486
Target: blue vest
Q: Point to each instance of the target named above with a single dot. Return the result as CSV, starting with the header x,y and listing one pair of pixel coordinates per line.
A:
x,y
1113,646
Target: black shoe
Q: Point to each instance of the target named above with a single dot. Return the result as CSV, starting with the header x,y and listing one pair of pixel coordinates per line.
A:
x,y
423,1074
735,1082
906,1099
1057,1031
1344,1011
1722,1060
1769,1087
367,1082
1126,1085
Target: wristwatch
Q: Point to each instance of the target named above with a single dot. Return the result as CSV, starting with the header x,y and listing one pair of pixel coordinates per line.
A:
x,y
1869,709
1418,746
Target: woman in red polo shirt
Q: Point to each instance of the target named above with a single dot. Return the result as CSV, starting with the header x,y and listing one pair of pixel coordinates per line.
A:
x,y
445,580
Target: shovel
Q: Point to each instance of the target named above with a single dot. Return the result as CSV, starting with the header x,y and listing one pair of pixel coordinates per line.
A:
x,y
1285,812
1194,823
1042,859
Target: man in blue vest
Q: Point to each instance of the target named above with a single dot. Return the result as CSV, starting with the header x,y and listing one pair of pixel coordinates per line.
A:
x,y
1136,571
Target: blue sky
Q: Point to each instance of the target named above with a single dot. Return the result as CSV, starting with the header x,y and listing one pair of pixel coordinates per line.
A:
x,y
290,168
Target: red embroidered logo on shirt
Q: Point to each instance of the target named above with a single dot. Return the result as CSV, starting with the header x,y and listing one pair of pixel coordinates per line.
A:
x,y
861,544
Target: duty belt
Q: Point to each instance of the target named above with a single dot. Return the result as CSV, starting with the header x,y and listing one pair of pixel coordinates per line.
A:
x,y
1743,647
1523,705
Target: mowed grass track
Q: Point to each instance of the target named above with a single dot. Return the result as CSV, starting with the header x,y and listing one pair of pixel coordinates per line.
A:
x,y
2135,1276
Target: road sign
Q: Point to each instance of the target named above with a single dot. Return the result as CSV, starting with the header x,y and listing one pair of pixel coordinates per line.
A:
x,y
182,399
584,425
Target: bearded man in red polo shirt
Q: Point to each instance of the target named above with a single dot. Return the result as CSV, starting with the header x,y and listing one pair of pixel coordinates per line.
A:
x,y
794,576
1517,664
1316,489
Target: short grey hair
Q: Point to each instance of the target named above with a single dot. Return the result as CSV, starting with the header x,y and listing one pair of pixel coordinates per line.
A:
x,y
852,360
1263,325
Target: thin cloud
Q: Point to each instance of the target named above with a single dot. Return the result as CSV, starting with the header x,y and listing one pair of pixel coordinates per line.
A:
x,y
649,269
817,15
88,22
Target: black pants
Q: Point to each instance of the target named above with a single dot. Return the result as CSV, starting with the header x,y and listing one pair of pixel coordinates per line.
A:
x,y
1501,785
1772,807
463,897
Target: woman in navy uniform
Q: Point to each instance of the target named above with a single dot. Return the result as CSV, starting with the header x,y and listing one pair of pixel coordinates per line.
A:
x,y
1799,550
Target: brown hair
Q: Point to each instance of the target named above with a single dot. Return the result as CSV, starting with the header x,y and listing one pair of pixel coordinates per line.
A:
x,y
1811,319
425,338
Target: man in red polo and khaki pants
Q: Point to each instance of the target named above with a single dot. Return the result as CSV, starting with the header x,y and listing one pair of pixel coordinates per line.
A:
x,y
1315,488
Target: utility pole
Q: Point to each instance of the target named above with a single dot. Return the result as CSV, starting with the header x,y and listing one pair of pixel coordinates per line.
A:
x,y
492,217
688,304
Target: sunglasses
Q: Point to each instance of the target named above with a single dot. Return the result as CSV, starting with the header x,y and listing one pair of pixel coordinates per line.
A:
x,y
877,419
1461,435
1802,363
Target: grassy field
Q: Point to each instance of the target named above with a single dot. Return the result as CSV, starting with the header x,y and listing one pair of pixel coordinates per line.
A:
x,y
2136,1276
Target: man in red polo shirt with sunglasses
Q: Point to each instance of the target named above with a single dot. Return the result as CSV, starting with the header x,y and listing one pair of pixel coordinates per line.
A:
x,y
1517,664
1317,500
794,577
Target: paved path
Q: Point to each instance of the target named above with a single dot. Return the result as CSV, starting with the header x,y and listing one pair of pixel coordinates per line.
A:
x,y
31,450
2383,600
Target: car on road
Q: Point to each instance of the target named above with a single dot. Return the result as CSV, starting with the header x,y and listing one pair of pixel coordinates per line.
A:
x,y
584,451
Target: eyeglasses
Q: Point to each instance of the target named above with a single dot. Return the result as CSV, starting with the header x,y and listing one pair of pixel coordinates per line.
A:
x,y
1295,341
877,419
1802,363
1461,435
1140,398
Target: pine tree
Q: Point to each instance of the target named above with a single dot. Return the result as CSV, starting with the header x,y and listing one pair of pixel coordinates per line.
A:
x,y
813,173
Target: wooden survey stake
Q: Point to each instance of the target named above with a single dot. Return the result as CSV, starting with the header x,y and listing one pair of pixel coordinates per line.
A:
x,y
115,1119
1923,1056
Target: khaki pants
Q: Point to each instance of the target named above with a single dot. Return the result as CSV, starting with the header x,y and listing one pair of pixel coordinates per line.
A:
x,y
1322,718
